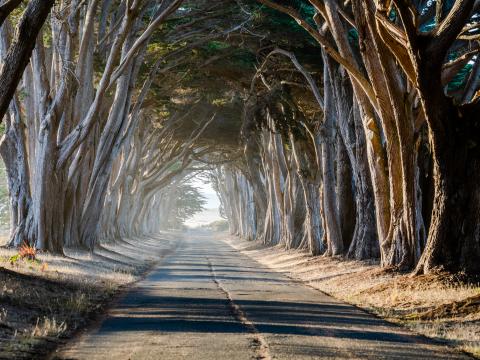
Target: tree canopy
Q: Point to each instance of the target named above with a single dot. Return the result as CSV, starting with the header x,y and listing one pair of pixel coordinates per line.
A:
x,y
345,128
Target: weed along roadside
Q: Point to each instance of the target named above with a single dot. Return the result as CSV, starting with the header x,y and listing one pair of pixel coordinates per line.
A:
x,y
46,300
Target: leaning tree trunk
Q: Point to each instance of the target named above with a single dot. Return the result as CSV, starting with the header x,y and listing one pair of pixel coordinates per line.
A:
x,y
327,134
48,193
299,211
254,175
454,234
364,240
376,154
345,196
20,51
400,244
365,244
309,175
14,154
272,229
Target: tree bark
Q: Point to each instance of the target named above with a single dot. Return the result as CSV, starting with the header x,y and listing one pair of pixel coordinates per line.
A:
x,y
454,234
20,50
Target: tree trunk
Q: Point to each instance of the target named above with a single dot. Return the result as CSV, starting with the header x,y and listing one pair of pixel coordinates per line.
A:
x,y
454,234
327,136
310,181
345,197
14,154
48,193
365,244
20,51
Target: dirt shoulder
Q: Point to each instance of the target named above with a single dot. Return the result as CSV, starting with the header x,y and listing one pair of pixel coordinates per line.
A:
x,y
440,306
45,302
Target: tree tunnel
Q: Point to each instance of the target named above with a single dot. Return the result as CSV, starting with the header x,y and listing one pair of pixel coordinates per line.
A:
x,y
347,129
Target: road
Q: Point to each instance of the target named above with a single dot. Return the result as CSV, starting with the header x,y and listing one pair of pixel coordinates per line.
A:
x,y
209,301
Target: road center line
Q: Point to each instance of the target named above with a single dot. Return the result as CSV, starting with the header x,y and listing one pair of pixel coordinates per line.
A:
x,y
260,343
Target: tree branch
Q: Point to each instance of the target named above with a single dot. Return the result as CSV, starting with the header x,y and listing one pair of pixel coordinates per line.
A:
x,y
7,8
301,69
329,49
144,37
20,51
448,30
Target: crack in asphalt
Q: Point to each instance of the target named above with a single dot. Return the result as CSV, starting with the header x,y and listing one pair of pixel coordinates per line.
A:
x,y
259,342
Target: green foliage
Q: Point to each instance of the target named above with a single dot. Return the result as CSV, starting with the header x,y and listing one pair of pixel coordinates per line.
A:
x,y
14,259
277,21
16,14
428,26
429,21
244,58
157,48
459,80
219,102
217,45
392,16
353,37
304,8
217,226
189,201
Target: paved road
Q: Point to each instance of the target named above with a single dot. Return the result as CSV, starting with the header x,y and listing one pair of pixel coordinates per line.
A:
x,y
209,301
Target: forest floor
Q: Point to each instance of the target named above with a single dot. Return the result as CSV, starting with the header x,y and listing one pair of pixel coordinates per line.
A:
x,y
45,302
439,306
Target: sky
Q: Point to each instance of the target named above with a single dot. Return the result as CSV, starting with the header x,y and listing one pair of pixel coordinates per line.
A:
x,y
211,213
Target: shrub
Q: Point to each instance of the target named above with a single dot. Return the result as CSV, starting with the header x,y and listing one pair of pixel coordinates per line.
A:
x,y
218,226
27,252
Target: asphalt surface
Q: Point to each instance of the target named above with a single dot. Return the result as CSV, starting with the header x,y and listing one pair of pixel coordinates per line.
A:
x,y
209,301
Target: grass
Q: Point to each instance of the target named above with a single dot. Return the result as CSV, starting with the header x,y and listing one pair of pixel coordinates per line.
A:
x,y
464,335
49,327
440,306
47,299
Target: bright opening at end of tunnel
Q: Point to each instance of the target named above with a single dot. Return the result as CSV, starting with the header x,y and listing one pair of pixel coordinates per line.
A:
x,y
211,211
